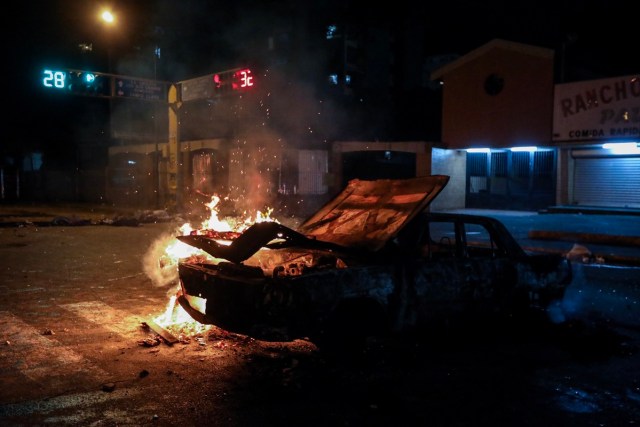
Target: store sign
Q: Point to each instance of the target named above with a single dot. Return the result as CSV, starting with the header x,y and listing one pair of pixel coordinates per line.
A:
x,y
597,110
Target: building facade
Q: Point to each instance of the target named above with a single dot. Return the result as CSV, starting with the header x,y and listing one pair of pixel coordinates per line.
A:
x,y
596,126
530,143
497,109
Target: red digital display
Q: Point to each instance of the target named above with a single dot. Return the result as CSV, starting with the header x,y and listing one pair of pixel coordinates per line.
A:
x,y
234,80
242,79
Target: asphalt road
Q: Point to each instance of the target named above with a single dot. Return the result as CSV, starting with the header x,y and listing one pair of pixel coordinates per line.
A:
x,y
74,351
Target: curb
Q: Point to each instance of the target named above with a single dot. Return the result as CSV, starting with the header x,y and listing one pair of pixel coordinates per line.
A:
x,y
596,239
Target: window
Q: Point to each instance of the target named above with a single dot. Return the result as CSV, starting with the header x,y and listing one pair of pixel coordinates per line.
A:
x,y
479,242
441,240
313,168
493,84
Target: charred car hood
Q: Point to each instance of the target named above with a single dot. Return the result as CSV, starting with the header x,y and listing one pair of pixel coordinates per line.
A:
x,y
363,217
367,214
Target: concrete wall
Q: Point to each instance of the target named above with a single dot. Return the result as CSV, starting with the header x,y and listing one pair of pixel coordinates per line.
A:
x,y
454,164
563,176
421,149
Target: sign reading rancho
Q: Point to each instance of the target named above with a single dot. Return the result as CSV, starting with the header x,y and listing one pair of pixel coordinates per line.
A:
x,y
597,109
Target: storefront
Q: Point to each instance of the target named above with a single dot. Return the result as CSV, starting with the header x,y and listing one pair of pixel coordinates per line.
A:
x,y
597,125
602,178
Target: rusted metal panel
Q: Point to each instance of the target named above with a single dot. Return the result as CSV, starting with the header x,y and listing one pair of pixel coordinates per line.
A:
x,y
367,214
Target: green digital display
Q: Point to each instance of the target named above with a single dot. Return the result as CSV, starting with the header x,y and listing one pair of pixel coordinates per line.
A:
x,y
76,82
54,79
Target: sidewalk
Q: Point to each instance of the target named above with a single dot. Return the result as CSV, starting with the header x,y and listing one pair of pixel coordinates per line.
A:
x,y
47,212
592,210
74,214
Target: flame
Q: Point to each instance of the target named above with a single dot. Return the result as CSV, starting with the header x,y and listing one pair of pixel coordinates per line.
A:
x,y
171,251
213,223
171,314
177,321
175,250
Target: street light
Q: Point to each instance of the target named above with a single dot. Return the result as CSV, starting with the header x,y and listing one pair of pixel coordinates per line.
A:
x,y
156,160
108,17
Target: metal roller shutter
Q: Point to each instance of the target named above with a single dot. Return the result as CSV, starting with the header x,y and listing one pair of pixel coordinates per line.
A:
x,y
609,181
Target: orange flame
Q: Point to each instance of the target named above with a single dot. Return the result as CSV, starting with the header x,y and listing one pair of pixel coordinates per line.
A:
x,y
174,317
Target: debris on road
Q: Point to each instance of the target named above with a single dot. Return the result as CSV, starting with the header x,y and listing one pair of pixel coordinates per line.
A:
x,y
166,335
150,341
108,387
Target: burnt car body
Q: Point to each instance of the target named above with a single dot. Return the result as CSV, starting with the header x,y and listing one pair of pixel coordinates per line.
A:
x,y
372,260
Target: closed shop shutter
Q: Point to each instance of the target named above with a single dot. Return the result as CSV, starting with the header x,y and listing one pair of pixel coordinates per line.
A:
x,y
313,166
607,181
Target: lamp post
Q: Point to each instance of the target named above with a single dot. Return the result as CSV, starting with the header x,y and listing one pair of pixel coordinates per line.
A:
x,y
109,20
156,166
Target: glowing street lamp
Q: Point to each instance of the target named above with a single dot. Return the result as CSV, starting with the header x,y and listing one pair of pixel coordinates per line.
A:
x,y
108,17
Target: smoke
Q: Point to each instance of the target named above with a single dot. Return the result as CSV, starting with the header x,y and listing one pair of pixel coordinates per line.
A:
x,y
286,110
297,111
157,265
255,162
603,293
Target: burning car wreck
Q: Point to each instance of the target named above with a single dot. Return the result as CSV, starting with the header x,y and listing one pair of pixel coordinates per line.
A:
x,y
372,260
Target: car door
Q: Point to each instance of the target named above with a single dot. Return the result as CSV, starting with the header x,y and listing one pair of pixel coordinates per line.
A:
x,y
489,271
463,268
441,276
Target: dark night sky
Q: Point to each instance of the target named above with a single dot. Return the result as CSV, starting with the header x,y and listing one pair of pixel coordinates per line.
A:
x,y
604,32
600,35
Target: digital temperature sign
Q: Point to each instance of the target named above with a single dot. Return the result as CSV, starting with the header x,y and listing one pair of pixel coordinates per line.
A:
x,y
77,82
233,80
238,80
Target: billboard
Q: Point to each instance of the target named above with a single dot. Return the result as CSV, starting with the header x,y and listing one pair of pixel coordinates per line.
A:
x,y
595,110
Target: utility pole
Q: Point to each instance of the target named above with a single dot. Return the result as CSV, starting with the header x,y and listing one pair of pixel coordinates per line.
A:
x,y
156,160
173,170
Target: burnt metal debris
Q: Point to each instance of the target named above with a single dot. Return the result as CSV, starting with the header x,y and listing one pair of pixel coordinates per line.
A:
x,y
372,260
167,336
